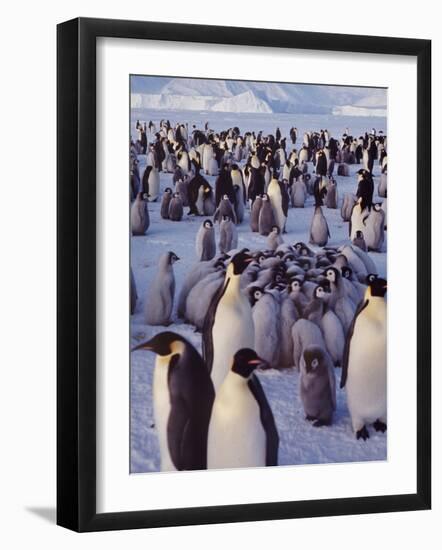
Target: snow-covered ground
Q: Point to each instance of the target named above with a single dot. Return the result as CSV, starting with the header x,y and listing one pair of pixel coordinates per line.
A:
x,y
300,442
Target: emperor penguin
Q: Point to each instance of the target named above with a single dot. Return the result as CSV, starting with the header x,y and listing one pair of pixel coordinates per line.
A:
x,y
319,232
274,239
196,273
182,187
289,316
237,179
228,235
205,241
139,215
165,202
266,218
317,386
279,200
374,228
267,320
151,178
228,325
238,204
298,193
347,206
158,304
183,398
254,214
331,198
364,371
382,187
225,208
242,429
176,208
305,333
359,241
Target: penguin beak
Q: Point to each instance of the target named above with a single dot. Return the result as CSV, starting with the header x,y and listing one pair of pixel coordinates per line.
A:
x,y
144,345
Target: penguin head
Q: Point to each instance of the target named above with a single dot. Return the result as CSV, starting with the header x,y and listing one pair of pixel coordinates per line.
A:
x,y
176,196
295,285
275,229
332,274
245,361
162,343
265,197
144,196
225,218
320,292
359,234
377,285
240,262
346,272
255,294
172,258
313,357
207,224
168,191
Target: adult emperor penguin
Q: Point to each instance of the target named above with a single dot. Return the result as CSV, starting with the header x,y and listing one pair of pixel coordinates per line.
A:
x,y
242,429
228,235
176,208
158,303
139,215
279,199
151,182
165,202
228,325
319,232
183,397
205,241
364,371
317,386
237,179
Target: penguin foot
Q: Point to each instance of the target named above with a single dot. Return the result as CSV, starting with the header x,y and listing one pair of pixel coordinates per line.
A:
x,y
318,423
380,426
363,434
310,418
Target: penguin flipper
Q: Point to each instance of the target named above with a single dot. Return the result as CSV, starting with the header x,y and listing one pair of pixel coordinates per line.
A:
x,y
268,421
344,373
209,320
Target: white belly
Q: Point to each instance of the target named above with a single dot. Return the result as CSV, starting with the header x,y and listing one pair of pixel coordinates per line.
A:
x,y
236,436
161,407
367,372
233,329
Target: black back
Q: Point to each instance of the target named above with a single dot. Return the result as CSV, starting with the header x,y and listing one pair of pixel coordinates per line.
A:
x,y
344,373
267,420
191,398
209,320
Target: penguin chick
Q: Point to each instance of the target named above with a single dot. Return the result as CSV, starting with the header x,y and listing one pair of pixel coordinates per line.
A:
x,y
158,303
317,386
139,215
176,208
165,202
228,235
205,244
274,239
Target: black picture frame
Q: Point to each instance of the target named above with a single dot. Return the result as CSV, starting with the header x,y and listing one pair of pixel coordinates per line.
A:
x,y
76,273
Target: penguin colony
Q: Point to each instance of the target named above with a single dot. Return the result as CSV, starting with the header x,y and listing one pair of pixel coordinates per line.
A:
x,y
307,306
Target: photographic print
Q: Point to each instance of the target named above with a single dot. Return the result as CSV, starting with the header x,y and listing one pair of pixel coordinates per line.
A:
x,y
258,274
